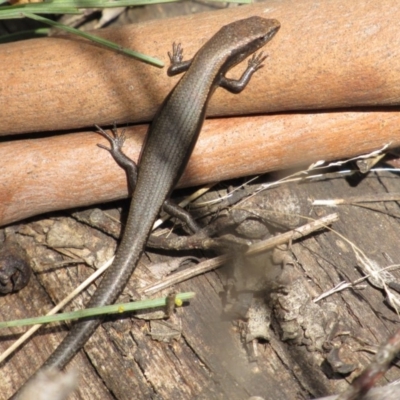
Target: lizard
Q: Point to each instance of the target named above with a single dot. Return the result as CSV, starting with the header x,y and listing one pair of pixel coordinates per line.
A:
x,y
168,145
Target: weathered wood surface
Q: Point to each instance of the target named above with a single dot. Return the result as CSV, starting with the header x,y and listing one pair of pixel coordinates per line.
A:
x,y
209,360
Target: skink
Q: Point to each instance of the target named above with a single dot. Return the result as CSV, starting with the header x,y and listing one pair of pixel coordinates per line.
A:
x,y
168,146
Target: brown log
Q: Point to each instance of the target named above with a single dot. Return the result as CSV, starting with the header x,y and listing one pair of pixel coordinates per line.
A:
x,y
67,171
328,54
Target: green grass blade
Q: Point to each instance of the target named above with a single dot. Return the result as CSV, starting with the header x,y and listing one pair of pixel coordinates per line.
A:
x,y
22,35
96,39
12,12
91,312
110,3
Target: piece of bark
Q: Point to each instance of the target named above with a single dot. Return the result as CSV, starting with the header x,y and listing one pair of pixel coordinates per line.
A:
x,y
347,59
60,172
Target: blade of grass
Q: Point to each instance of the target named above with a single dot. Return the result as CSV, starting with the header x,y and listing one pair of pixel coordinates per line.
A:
x,y
129,3
73,6
12,12
12,37
91,312
96,39
110,3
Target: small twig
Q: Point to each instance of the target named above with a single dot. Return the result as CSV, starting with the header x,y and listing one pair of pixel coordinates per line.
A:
x,y
378,367
338,288
294,234
358,199
318,165
345,285
181,276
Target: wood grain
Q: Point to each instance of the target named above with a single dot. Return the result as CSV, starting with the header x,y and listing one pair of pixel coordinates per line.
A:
x,y
60,172
328,54
314,63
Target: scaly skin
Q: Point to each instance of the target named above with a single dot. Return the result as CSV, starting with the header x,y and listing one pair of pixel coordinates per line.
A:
x,y
169,144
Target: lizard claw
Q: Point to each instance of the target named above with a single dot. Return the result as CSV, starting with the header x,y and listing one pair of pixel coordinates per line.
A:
x,y
116,141
256,61
177,54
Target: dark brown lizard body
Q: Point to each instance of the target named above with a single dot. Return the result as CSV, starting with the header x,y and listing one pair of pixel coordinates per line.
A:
x,y
169,144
